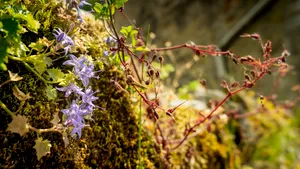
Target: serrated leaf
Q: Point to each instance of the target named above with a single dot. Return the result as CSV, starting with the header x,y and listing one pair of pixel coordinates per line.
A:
x,y
39,62
18,125
32,24
20,95
40,66
51,92
40,44
42,147
98,7
55,119
126,30
56,74
14,76
18,49
68,78
102,11
36,46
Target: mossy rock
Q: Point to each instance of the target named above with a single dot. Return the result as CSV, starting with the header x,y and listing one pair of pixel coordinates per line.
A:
x,y
110,140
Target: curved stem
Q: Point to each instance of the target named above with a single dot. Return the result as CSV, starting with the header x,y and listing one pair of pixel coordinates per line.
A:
x,y
6,109
31,69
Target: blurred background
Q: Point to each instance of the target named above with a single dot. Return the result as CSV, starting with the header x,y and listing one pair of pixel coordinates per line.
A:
x,y
221,22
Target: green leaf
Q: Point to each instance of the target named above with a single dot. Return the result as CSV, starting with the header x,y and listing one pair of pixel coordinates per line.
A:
x,y
32,24
129,32
56,74
39,62
51,93
119,3
102,11
98,7
40,44
18,125
55,119
42,147
68,78
126,30
18,49
36,46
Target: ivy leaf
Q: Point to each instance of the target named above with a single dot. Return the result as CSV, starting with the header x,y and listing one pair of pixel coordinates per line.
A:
x,y
36,46
42,147
32,24
102,11
14,76
40,44
98,7
40,62
55,119
56,74
18,125
18,49
51,92
20,95
129,32
126,30
68,78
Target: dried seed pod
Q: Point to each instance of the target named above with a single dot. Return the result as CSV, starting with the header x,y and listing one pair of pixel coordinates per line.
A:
x,y
153,57
268,48
224,84
254,75
161,59
231,55
235,84
157,74
197,52
147,82
247,77
203,82
151,72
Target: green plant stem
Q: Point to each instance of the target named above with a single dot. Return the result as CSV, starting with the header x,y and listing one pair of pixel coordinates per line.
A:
x,y
115,31
31,69
6,109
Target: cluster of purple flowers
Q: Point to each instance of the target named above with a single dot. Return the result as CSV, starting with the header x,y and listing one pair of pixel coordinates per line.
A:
x,y
63,39
83,104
